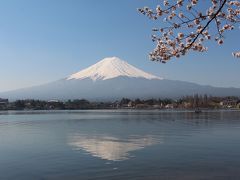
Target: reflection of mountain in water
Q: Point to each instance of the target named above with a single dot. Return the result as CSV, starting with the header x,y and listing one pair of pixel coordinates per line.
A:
x,y
110,148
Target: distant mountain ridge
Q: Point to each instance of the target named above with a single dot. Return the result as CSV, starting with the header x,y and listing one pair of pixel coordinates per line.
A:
x,y
112,79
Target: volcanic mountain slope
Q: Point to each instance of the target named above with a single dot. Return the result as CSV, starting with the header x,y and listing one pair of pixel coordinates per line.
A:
x,y
110,68
112,79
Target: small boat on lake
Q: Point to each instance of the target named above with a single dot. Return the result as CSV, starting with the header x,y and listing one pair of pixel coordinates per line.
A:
x,y
197,111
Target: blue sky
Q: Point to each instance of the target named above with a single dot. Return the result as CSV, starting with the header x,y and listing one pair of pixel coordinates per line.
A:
x,y
42,41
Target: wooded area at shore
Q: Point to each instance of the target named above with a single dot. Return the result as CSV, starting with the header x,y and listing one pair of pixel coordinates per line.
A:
x,y
188,102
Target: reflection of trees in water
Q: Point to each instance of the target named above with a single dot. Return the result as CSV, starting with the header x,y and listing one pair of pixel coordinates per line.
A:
x,y
149,128
182,117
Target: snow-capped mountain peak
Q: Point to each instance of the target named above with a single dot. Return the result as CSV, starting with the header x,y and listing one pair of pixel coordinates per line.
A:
x,y
139,85
109,68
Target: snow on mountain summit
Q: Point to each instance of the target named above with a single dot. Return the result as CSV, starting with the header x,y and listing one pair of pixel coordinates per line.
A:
x,y
109,68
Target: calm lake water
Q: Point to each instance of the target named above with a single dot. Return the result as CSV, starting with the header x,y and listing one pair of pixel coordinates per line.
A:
x,y
119,144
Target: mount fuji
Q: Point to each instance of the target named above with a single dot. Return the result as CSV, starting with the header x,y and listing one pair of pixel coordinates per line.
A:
x,y
110,68
112,79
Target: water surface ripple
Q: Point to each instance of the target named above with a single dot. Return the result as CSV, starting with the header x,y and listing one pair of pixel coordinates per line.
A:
x,y
119,144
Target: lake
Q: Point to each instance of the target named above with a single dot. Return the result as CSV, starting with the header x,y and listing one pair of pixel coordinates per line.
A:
x,y
119,144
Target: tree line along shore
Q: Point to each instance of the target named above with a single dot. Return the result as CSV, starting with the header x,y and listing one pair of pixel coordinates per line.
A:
x,y
187,102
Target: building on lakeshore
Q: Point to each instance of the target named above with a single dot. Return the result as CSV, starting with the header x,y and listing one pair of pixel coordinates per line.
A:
x,y
3,103
229,103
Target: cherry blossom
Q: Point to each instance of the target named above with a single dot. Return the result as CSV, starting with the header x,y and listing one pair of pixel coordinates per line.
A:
x,y
189,25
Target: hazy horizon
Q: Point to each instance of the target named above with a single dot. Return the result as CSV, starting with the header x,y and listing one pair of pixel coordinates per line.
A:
x,y
82,71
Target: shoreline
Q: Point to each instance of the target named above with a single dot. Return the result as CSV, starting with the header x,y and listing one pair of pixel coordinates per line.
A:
x,y
120,110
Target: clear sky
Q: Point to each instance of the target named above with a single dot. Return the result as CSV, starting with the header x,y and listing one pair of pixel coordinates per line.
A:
x,y
43,41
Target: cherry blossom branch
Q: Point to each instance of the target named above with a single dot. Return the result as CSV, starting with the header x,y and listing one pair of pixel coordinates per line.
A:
x,y
188,29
